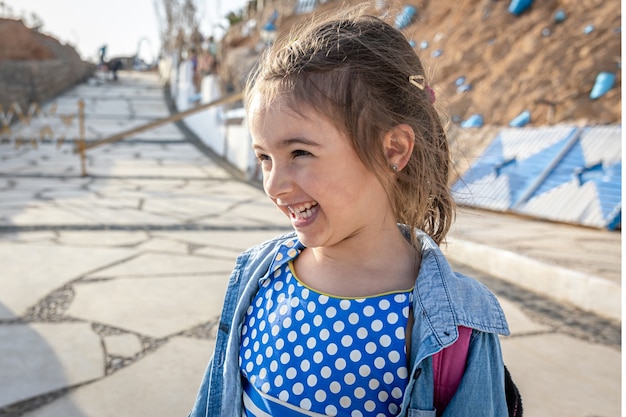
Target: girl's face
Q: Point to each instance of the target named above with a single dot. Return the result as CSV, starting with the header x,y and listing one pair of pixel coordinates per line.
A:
x,y
315,177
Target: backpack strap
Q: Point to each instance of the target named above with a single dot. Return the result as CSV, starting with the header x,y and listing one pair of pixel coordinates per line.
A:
x,y
448,369
513,396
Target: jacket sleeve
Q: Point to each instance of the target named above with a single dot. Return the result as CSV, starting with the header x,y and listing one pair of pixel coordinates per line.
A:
x,y
481,391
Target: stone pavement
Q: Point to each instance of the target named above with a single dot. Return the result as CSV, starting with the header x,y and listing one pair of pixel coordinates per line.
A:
x,y
111,284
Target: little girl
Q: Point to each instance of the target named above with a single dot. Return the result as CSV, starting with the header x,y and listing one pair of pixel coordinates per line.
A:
x,y
342,316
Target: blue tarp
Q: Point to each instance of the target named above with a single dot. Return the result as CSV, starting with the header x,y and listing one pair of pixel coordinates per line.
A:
x,y
560,173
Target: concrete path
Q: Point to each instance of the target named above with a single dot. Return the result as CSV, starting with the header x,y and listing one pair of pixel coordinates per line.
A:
x,y
111,285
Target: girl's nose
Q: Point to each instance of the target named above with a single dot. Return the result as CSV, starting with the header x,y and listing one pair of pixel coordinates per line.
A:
x,y
277,182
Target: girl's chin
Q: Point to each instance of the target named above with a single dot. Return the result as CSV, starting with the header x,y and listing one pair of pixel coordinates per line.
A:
x,y
307,240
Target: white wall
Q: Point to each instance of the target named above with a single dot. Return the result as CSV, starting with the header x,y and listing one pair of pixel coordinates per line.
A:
x,y
225,132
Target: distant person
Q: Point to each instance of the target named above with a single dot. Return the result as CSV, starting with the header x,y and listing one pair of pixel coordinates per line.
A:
x,y
102,52
206,64
114,66
343,316
192,57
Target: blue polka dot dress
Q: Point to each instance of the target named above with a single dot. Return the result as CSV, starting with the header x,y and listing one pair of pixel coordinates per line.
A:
x,y
304,353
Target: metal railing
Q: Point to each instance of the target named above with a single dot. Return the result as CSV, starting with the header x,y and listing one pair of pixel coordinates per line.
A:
x,y
82,146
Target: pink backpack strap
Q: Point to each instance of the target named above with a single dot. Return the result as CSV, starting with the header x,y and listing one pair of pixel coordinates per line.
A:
x,y
448,369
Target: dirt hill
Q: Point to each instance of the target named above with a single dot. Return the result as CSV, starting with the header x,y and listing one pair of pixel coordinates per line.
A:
x,y
19,43
35,67
509,63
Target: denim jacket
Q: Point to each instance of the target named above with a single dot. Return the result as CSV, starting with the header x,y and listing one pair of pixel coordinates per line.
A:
x,y
443,300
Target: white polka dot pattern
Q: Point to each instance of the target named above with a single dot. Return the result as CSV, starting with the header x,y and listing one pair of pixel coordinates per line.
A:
x,y
324,354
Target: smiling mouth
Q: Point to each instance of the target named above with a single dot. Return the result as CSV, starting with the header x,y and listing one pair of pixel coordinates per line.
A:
x,y
303,211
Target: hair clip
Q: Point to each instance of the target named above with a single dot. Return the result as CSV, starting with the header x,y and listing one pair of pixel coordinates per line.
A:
x,y
420,82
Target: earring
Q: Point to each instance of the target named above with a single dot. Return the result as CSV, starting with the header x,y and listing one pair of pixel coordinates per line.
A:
x,y
394,167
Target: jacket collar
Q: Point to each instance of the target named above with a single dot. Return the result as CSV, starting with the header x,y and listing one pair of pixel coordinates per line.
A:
x,y
447,299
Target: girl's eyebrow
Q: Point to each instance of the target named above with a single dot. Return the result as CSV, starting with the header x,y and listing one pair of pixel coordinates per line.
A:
x,y
285,143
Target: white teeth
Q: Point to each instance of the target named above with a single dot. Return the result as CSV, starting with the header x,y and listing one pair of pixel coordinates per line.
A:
x,y
304,211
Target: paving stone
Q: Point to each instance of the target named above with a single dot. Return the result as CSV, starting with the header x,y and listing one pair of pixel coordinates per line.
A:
x,y
67,215
146,168
40,358
216,252
151,264
221,244
101,128
29,272
562,376
116,108
215,172
67,193
156,307
519,322
46,154
125,345
100,203
24,237
160,186
45,214
164,245
154,109
164,384
102,238
234,242
264,214
16,198
238,189
186,207
5,312
37,184
227,221
112,186
167,132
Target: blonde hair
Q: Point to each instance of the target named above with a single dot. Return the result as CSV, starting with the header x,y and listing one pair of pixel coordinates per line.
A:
x,y
355,71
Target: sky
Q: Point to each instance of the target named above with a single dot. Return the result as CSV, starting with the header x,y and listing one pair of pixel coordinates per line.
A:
x,y
120,24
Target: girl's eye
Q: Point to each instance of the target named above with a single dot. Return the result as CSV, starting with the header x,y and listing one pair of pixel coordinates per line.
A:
x,y
300,152
262,158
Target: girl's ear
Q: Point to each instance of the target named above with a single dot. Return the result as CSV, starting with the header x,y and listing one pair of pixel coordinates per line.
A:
x,y
398,146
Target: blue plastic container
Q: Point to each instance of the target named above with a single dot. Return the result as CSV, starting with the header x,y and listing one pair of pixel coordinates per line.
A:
x,y
517,7
405,17
475,120
560,16
604,82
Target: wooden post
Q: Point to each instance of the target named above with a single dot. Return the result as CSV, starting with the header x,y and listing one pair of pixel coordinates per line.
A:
x,y
81,136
